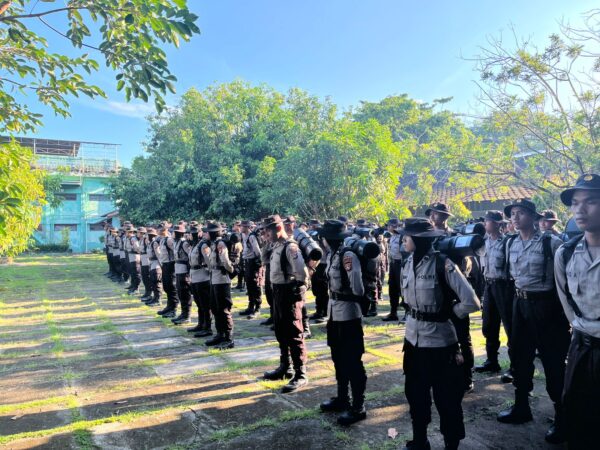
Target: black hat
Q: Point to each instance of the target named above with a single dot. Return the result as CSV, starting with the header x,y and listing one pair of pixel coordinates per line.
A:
x,y
212,227
525,204
362,222
590,182
550,215
289,219
272,221
343,219
394,222
315,222
438,207
494,216
420,227
194,230
333,229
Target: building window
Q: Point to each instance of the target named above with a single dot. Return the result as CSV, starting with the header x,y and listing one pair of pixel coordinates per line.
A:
x,y
61,226
97,226
67,197
99,198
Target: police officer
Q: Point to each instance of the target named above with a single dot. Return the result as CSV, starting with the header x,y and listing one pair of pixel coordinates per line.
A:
x,y
220,286
252,269
123,264
395,266
265,257
370,275
383,263
113,254
153,250
344,327
434,289
498,297
166,257
200,283
288,278
439,213
132,248
181,251
577,273
236,229
538,319
144,263
548,223
107,227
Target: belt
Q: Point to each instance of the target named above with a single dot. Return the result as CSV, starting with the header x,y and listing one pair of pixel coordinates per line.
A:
x,y
427,316
586,339
534,295
345,297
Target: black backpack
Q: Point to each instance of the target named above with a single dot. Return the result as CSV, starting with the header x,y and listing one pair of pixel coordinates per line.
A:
x,y
568,250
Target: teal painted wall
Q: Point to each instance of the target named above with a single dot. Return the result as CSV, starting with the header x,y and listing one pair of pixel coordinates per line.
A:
x,y
81,213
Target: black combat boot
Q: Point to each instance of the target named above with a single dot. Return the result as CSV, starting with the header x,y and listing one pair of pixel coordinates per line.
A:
x,y
556,432
419,440
153,301
336,404
451,444
413,445
489,366
184,317
227,342
284,371
507,377
322,317
216,340
298,381
248,311
372,309
519,412
357,411
199,327
267,322
392,316
255,313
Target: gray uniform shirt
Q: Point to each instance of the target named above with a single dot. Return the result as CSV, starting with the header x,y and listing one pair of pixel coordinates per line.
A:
x,y
219,258
181,249
167,246
296,269
197,258
133,249
583,277
251,249
422,291
340,310
394,248
527,264
144,249
494,260
154,251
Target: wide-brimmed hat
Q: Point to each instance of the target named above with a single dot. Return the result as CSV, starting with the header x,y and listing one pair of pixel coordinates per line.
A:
x,y
525,204
550,215
212,227
141,230
130,228
494,216
164,225
343,219
440,208
151,232
246,223
194,230
420,227
333,229
289,219
314,222
272,221
393,222
588,182
181,228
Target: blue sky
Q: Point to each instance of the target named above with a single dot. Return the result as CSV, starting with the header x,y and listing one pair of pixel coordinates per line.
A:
x,y
348,50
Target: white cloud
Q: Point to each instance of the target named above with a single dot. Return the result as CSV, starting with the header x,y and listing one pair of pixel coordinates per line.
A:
x,y
136,110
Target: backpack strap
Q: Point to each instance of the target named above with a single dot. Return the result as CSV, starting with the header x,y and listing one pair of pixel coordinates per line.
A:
x,y
508,242
547,250
283,261
568,250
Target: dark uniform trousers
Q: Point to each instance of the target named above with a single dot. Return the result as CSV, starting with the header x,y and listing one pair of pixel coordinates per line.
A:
x,y
394,283
124,268
116,263
201,294
268,288
434,369
135,273
320,289
463,333
220,305
288,302
146,279
252,276
182,283
156,283
168,279
241,274
497,308
380,280
347,347
581,396
539,323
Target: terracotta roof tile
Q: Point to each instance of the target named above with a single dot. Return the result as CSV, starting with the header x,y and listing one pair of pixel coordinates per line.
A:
x,y
486,194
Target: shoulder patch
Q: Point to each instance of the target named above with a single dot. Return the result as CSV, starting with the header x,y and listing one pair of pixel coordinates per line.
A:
x,y
347,262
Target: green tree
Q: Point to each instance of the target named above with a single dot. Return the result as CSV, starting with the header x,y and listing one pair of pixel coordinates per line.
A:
x,y
21,198
130,33
353,169
205,157
544,120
